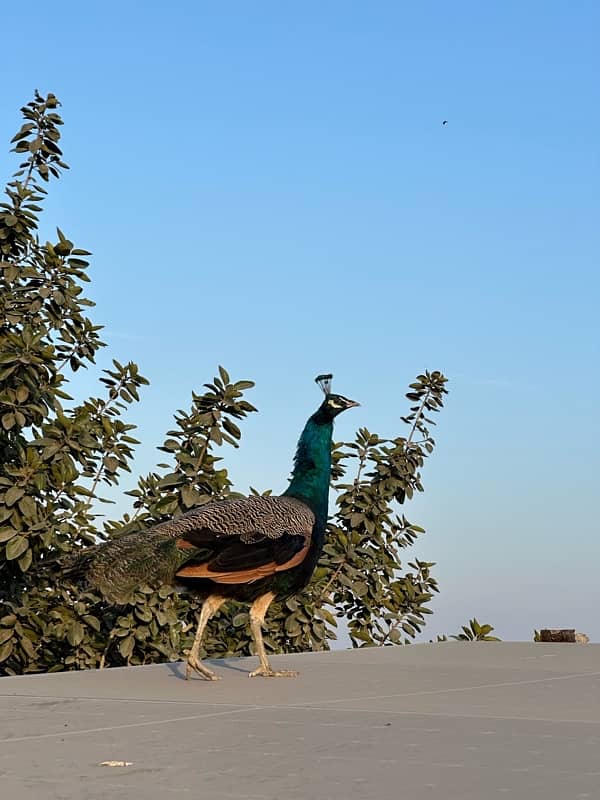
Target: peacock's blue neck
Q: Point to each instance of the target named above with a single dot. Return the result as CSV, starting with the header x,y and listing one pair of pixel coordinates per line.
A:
x,y
312,467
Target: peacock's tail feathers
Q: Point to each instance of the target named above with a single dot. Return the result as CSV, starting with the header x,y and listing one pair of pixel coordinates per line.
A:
x,y
119,567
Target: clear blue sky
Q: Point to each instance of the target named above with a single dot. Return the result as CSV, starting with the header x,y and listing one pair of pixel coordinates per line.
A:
x,y
269,186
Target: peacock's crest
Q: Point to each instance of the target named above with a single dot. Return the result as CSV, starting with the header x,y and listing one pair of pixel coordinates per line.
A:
x,y
324,381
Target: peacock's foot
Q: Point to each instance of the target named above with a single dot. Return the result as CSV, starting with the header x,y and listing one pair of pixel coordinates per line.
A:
x,y
268,672
195,665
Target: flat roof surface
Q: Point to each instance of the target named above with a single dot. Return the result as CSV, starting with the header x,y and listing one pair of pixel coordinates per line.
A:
x,y
455,720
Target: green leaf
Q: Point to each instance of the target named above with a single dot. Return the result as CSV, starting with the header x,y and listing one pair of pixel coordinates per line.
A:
x,y
5,651
6,534
143,614
395,636
27,506
174,479
25,560
171,445
27,646
92,621
75,633
16,547
231,428
5,634
126,646
13,494
8,421
22,393
190,496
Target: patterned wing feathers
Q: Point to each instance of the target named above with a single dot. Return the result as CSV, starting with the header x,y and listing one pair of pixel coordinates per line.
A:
x,y
247,518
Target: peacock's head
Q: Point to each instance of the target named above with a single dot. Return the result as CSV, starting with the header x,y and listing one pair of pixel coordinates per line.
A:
x,y
333,404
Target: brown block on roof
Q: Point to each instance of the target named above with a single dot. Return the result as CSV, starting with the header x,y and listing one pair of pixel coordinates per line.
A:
x,y
557,635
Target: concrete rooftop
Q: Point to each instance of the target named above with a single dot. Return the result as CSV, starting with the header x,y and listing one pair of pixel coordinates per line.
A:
x,y
450,721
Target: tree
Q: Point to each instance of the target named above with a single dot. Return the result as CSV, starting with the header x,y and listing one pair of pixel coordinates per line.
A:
x,y
57,453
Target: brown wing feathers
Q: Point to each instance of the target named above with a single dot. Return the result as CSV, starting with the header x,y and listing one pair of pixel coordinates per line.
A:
x,y
244,540
242,575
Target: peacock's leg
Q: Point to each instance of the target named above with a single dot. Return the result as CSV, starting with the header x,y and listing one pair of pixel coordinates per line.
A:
x,y
258,609
210,606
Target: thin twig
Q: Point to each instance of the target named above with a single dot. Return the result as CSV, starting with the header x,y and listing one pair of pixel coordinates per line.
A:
x,y
418,416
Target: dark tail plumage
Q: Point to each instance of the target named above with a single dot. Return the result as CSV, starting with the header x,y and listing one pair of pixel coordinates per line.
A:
x,y
118,567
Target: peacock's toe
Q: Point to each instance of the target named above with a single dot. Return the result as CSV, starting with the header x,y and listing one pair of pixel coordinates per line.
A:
x,y
195,665
273,673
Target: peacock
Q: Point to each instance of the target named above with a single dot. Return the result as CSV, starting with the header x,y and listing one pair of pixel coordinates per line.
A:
x,y
254,550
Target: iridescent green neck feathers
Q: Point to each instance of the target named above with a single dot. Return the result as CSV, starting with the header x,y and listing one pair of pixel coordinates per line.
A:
x,y
312,465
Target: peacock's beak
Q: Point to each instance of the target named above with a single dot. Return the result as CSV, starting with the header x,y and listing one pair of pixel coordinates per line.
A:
x,y
351,403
